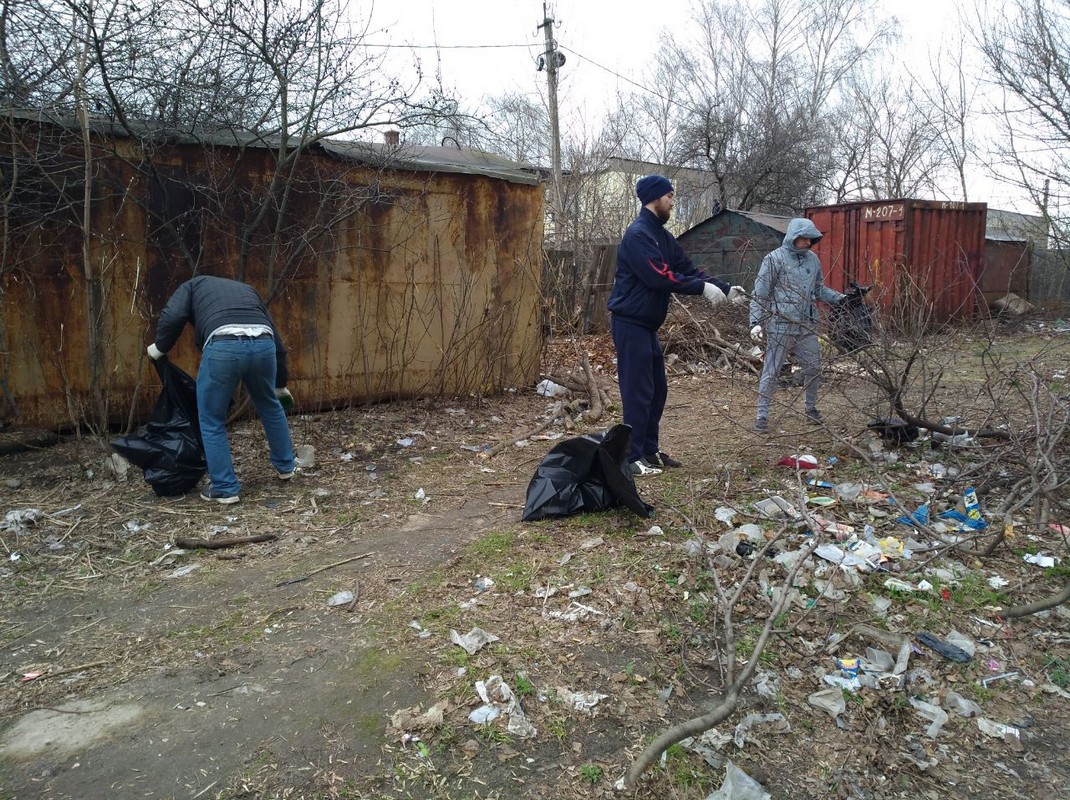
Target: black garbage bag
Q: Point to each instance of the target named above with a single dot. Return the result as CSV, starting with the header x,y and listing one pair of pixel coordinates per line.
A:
x,y
851,322
895,430
588,473
169,449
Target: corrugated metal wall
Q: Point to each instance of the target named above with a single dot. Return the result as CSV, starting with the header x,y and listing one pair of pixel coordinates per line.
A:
x,y
388,284
919,255
1007,268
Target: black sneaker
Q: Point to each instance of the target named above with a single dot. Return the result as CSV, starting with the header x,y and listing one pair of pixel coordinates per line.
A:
x,y
761,425
643,468
662,459
207,493
813,415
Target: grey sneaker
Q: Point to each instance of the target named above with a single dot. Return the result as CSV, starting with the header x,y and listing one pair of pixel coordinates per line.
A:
x,y
761,425
643,468
813,415
207,493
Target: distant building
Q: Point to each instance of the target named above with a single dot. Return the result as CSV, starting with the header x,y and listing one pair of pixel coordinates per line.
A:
x,y
731,244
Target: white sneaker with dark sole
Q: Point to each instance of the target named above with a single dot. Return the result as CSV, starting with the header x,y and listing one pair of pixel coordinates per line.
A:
x,y
285,476
225,499
642,469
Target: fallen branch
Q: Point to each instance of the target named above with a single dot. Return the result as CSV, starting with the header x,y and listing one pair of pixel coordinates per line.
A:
x,y
500,446
593,390
1052,601
79,668
730,700
318,570
229,541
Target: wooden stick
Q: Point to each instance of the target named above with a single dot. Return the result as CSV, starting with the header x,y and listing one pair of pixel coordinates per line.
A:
x,y
79,668
230,541
323,569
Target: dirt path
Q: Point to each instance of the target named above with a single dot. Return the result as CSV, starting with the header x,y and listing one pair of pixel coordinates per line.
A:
x,y
236,679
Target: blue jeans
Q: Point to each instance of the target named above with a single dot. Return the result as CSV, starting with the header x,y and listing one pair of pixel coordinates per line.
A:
x,y
224,364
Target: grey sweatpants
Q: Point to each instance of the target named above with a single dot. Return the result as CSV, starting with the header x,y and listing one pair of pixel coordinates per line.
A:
x,y
778,343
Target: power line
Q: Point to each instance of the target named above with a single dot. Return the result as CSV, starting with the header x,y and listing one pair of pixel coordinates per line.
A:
x,y
446,46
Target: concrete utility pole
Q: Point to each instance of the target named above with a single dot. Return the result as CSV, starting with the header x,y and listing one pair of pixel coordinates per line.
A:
x,y
552,60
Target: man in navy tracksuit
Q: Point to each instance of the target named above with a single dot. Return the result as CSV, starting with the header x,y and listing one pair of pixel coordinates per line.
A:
x,y
651,266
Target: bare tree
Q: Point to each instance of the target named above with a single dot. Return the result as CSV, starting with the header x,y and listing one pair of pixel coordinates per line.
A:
x,y
1025,45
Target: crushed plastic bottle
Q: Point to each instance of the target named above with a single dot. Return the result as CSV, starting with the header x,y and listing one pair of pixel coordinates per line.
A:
x,y
305,456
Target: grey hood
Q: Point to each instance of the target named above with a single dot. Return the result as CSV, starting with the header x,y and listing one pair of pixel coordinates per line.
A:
x,y
800,227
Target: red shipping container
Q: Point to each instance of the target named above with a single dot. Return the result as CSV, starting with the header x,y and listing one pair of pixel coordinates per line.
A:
x,y
924,258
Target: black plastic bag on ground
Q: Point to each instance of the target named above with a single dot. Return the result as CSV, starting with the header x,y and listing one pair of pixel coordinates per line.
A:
x,y
588,473
169,450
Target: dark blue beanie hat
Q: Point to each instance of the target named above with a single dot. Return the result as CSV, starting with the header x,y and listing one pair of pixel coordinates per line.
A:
x,y
651,187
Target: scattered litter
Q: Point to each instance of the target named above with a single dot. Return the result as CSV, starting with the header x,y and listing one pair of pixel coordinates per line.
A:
x,y
996,582
830,700
574,613
947,650
725,514
919,517
420,629
655,530
776,507
818,500
903,586
751,720
482,583
831,552
21,518
421,495
767,684
473,641
961,705
408,441
999,730
341,599
412,719
1001,677
579,701
805,461
848,492
498,699
580,591
182,572
738,785
590,544
547,388
962,641
1041,560
936,715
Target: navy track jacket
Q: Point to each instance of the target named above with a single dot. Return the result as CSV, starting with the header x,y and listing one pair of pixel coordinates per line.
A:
x,y
651,265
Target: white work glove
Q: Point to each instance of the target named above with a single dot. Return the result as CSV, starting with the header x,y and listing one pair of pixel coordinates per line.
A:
x,y
713,294
756,333
155,353
737,296
285,398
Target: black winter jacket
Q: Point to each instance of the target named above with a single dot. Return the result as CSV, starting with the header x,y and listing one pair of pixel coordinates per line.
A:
x,y
208,302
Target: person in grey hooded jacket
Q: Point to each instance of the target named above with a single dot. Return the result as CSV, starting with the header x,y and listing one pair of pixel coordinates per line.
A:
x,y
784,307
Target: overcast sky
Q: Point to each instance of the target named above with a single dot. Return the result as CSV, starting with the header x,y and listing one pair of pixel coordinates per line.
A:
x,y
483,48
